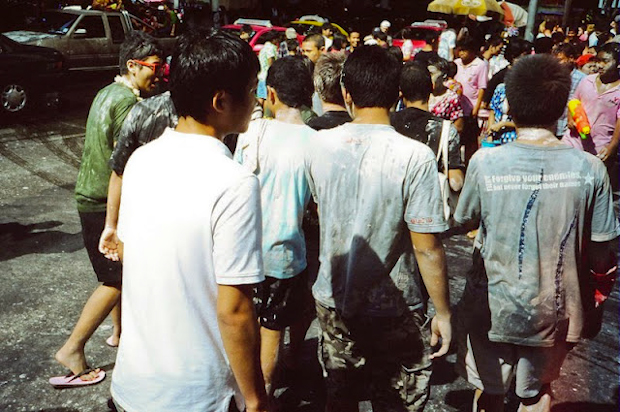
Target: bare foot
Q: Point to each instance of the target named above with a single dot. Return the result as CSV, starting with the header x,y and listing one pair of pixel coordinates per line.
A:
x,y
76,362
113,341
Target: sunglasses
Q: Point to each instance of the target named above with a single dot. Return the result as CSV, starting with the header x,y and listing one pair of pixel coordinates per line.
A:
x,y
158,68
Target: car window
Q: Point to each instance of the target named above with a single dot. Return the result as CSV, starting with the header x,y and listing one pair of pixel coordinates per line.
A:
x,y
55,22
93,26
116,27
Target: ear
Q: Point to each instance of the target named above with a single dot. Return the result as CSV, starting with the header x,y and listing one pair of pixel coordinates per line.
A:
x,y
220,101
348,100
272,95
131,66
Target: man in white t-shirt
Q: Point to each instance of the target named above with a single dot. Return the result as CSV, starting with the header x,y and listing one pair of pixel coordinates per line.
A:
x,y
380,213
274,151
190,226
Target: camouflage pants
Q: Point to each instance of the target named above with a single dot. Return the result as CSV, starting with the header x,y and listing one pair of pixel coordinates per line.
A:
x,y
377,358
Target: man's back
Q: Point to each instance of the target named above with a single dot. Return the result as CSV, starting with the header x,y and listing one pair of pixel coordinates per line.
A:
x,y
372,185
539,207
179,224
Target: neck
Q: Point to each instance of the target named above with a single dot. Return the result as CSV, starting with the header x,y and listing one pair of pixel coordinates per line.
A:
x,y
332,107
418,104
190,125
541,136
487,55
288,115
371,115
609,77
427,47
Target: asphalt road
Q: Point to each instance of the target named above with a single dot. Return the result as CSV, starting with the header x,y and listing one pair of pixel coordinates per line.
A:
x,y
46,278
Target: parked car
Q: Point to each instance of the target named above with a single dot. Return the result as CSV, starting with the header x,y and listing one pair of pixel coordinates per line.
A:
x,y
307,25
88,39
418,32
27,74
259,28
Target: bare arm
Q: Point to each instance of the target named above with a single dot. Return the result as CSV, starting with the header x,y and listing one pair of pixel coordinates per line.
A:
x,y
612,147
459,124
240,334
478,103
431,260
108,242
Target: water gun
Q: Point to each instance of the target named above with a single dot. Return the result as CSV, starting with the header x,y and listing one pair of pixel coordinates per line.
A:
x,y
579,116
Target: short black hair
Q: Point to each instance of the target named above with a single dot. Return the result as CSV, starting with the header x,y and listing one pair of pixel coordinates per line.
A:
x,y
381,36
270,35
291,79
396,52
246,28
537,89
371,75
543,45
415,82
430,36
317,39
327,25
207,61
327,73
611,48
468,43
137,46
339,41
567,49
558,37
494,40
452,69
517,47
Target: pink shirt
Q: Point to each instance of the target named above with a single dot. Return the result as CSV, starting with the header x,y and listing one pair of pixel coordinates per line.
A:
x,y
602,110
473,77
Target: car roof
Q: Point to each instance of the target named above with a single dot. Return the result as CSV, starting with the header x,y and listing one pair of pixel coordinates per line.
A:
x,y
254,27
85,12
318,23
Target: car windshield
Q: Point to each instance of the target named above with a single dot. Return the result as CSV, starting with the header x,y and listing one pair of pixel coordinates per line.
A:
x,y
56,23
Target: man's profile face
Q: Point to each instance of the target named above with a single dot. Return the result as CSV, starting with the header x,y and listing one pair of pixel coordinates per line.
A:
x,y
354,39
327,32
606,62
311,51
245,106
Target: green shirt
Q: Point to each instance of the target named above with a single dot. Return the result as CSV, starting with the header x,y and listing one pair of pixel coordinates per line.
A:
x,y
106,116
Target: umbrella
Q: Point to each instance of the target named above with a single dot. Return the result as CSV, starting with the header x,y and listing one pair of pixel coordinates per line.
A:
x,y
465,7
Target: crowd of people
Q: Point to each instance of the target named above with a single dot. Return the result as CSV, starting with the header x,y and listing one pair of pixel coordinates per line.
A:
x,y
200,209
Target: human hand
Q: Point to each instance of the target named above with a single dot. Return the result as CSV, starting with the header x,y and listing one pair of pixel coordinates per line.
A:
x,y
441,328
607,151
108,244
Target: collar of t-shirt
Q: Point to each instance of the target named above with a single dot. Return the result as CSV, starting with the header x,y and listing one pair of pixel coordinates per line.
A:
x,y
199,140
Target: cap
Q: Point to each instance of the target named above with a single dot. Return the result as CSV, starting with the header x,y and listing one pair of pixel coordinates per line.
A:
x,y
385,23
290,33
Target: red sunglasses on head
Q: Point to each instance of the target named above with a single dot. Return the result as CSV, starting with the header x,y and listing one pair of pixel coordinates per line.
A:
x,y
158,68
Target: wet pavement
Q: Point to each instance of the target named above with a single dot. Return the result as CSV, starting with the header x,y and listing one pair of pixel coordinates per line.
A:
x,y
46,279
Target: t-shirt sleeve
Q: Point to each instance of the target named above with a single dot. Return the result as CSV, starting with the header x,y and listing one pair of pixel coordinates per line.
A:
x,y
126,144
424,205
308,171
468,208
605,225
237,233
120,113
496,101
483,76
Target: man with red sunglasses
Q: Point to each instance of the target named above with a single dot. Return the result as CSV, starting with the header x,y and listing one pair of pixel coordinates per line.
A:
x,y
140,68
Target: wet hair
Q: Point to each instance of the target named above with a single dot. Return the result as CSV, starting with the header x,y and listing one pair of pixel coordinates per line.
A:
x,y
207,61
468,43
537,89
291,79
137,46
567,50
327,72
317,39
396,52
415,82
371,75
517,47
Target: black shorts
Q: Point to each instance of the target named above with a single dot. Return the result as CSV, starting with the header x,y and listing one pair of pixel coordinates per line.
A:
x,y
282,302
107,271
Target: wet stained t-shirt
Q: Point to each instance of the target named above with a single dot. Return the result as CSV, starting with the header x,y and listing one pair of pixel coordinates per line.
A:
x,y
146,121
539,208
372,186
107,113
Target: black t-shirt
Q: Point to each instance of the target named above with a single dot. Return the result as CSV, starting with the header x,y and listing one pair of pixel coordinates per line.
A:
x,y
329,120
